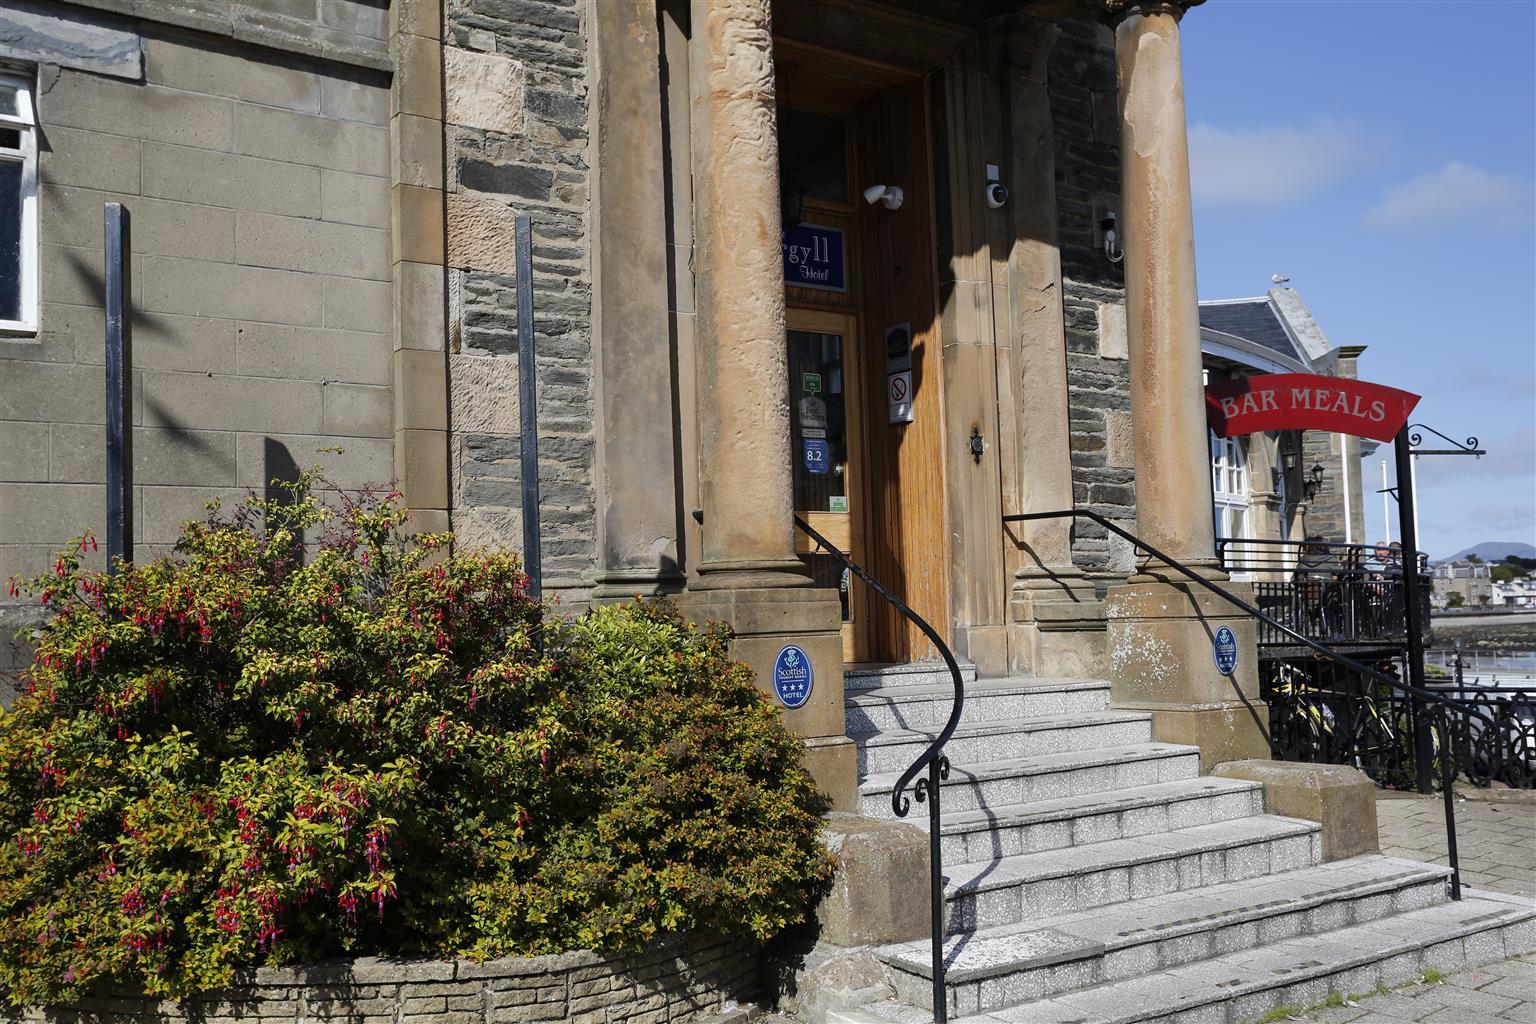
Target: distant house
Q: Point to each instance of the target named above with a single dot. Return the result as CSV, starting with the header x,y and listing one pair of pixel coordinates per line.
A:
x,y
1291,484
1470,580
1519,592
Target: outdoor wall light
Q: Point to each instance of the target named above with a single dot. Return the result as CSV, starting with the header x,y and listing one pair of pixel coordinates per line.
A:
x,y
1112,250
1290,460
890,196
1313,483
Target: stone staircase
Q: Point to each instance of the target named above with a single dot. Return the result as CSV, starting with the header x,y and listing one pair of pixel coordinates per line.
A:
x,y
1094,877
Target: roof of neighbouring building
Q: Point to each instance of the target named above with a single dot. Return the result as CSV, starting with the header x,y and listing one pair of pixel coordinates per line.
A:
x,y
1254,319
1272,333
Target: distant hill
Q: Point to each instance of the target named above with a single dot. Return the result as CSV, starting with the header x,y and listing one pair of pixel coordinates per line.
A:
x,y
1494,551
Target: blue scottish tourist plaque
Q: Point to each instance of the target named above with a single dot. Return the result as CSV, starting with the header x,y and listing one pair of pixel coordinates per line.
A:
x,y
813,257
1224,650
792,677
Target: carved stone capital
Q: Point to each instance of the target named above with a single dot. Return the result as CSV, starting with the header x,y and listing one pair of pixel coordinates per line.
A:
x,y
1112,12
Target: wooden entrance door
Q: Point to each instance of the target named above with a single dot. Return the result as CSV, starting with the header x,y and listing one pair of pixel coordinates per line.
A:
x,y
846,124
905,542
826,419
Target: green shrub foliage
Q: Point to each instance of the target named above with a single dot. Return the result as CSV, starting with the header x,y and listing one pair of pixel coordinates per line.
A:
x,y
301,737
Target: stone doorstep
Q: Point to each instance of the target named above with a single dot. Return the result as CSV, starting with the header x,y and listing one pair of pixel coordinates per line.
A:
x,y
900,707
1015,949
894,749
868,676
905,692
1000,727
1483,928
971,836
1075,808
1141,755
1076,862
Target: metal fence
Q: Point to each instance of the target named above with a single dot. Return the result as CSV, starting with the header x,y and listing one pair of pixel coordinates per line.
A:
x,y
1321,712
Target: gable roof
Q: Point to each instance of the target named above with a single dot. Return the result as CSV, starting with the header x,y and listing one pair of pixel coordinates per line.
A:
x,y
1273,332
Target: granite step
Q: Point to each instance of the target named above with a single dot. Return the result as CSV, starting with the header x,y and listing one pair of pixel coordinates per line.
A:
x,y
1245,986
999,967
908,705
989,833
1032,886
1045,777
892,750
862,676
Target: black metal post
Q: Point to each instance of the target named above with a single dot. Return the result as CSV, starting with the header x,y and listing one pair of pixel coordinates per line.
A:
x,y
1447,785
528,409
119,386
1415,628
936,892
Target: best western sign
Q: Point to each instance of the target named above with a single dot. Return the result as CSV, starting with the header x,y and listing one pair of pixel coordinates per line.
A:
x,y
1304,401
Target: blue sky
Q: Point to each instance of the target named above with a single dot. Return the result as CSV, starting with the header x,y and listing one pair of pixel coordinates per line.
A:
x,y
1383,156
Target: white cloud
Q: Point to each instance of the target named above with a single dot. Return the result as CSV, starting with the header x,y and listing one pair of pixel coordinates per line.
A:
x,y
1275,164
1456,193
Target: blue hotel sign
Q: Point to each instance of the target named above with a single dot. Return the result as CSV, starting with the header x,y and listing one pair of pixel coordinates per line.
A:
x,y
792,677
813,257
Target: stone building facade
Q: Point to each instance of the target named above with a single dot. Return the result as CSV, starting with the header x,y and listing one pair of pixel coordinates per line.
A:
x,y
323,271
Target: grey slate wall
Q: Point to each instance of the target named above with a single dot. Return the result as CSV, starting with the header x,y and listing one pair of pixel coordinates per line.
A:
x,y
1083,112
536,167
678,980
257,182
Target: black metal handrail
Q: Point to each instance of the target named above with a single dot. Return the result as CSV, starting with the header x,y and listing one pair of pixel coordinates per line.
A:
x,y
1271,554
932,758
1443,705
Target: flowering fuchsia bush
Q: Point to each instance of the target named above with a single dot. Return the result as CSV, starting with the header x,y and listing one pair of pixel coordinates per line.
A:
x,y
262,751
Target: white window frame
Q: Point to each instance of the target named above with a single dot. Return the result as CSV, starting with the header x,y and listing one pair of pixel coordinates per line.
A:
x,y
1230,495
24,122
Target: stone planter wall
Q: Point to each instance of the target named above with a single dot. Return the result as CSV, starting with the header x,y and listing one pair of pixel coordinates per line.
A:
x,y
677,983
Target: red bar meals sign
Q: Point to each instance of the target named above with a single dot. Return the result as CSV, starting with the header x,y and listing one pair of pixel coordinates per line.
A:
x,y
1305,401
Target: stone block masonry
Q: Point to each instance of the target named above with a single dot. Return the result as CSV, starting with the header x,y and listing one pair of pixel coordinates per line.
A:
x,y
256,173
1082,94
676,982
517,144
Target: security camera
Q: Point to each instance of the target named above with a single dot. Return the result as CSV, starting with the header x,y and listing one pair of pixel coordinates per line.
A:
x,y
997,195
889,196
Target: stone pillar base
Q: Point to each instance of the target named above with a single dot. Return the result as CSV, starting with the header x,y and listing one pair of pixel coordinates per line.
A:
x,y
1340,798
833,762
766,620
617,586
1056,626
1227,731
1160,660
1057,638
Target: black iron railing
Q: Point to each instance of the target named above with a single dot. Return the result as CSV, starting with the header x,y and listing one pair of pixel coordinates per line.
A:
x,y
1337,609
1334,593
1430,709
1286,557
932,759
1322,712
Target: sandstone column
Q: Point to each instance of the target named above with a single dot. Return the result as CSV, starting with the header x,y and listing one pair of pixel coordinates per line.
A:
x,y
1161,626
1173,478
748,572
745,477
1056,621
636,471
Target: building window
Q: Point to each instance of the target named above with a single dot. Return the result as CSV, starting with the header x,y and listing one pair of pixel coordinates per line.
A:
x,y
18,206
1229,488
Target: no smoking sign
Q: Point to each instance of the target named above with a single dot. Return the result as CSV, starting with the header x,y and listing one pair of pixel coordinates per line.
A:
x,y
899,396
